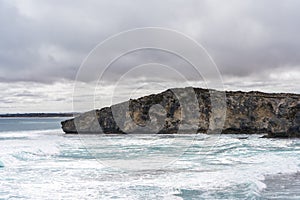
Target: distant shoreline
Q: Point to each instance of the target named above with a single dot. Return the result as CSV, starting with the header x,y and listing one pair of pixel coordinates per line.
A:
x,y
13,115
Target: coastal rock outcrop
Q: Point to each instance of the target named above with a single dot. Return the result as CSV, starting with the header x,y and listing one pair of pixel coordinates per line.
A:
x,y
206,111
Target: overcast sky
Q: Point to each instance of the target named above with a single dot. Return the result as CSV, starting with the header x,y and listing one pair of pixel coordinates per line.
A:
x,y
255,44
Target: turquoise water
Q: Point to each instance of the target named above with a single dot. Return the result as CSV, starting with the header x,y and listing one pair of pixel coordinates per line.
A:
x,y
38,161
27,124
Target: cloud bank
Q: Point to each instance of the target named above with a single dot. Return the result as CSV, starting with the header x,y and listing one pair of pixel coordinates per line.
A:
x,y
255,44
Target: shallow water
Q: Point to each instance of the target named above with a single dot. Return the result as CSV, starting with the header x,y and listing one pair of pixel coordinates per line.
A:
x,y
43,163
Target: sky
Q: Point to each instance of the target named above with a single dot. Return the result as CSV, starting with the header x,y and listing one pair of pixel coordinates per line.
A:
x,y
255,45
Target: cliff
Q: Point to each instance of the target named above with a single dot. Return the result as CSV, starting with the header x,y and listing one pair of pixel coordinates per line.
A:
x,y
173,111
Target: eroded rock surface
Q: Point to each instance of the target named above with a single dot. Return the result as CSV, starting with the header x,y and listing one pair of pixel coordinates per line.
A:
x,y
207,111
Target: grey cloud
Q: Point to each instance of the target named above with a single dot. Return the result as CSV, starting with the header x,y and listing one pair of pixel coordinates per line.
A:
x,y
26,94
257,36
46,41
7,101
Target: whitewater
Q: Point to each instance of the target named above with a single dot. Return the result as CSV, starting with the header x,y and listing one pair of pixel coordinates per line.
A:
x,y
39,161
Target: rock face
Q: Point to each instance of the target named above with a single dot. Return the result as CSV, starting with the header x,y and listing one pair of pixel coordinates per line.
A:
x,y
206,111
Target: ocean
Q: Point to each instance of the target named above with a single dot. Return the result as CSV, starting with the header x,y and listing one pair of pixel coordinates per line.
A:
x,y
38,161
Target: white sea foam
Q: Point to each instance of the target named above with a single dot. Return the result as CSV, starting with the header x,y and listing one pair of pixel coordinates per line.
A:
x,y
48,163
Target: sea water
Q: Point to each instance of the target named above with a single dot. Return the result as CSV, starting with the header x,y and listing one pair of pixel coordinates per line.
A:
x,y
38,161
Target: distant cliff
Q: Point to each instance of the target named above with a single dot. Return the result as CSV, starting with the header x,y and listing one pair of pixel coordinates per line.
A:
x,y
275,114
12,115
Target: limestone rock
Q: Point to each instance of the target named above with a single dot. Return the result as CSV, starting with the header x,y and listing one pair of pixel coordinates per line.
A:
x,y
192,110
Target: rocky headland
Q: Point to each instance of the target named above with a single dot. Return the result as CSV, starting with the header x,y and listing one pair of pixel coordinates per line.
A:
x,y
175,111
